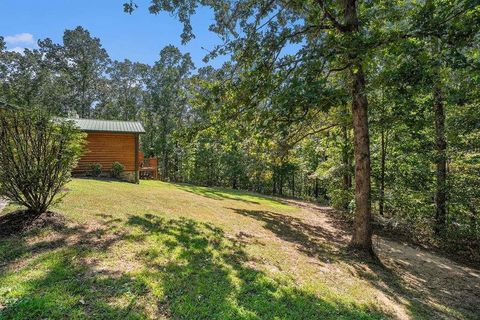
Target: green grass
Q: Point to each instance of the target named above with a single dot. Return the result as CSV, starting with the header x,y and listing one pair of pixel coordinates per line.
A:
x,y
166,251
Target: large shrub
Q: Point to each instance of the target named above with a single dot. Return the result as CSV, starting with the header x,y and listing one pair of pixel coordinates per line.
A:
x,y
37,155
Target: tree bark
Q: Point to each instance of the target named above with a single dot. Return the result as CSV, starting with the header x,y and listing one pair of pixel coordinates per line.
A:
x,y
293,185
165,165
280,187
382,173
441,161
347,179
274,184
362,233
234,182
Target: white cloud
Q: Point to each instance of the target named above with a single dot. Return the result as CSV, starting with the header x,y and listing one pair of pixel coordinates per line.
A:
x,y
16,49
24,38
19,42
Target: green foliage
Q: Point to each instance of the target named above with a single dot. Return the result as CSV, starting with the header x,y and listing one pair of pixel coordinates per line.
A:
x,y
83,64
123,96
36,158
117,169
165,108
276,118
94,169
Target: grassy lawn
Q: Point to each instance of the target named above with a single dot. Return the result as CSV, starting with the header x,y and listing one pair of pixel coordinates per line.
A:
x,y
166,251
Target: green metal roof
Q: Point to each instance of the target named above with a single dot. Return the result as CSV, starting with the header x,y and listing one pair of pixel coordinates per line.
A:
x,y
108,125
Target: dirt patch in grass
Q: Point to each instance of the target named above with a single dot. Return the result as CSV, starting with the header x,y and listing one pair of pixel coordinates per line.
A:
x,y
24,220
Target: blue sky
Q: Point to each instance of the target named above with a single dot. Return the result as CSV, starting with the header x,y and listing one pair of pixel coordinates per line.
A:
x,y
138,37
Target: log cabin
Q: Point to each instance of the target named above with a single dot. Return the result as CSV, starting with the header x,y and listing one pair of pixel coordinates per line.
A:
x,y
109,142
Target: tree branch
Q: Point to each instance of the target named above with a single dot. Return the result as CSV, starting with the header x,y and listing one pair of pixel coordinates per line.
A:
x,y
328,15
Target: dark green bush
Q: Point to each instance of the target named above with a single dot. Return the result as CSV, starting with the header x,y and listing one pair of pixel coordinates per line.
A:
x,y
117,169
94,169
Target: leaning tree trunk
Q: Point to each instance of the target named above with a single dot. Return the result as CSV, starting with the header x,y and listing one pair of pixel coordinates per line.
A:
x,y
441,161
362,233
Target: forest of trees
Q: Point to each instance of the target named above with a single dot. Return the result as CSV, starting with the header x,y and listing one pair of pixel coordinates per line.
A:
x,y
370,107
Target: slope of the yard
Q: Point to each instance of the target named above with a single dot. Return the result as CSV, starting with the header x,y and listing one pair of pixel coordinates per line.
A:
x,y
165,251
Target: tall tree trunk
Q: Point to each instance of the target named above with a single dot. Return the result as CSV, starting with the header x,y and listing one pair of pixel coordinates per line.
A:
x,y
177,164
362,233
382,173
165,165
293,185
280,184
347,179
274,186
441,161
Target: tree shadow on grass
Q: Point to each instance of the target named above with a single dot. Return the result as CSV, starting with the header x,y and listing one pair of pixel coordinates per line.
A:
x,y
202,274
329,245
227,194
20,220
312,240
190,270
54,277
